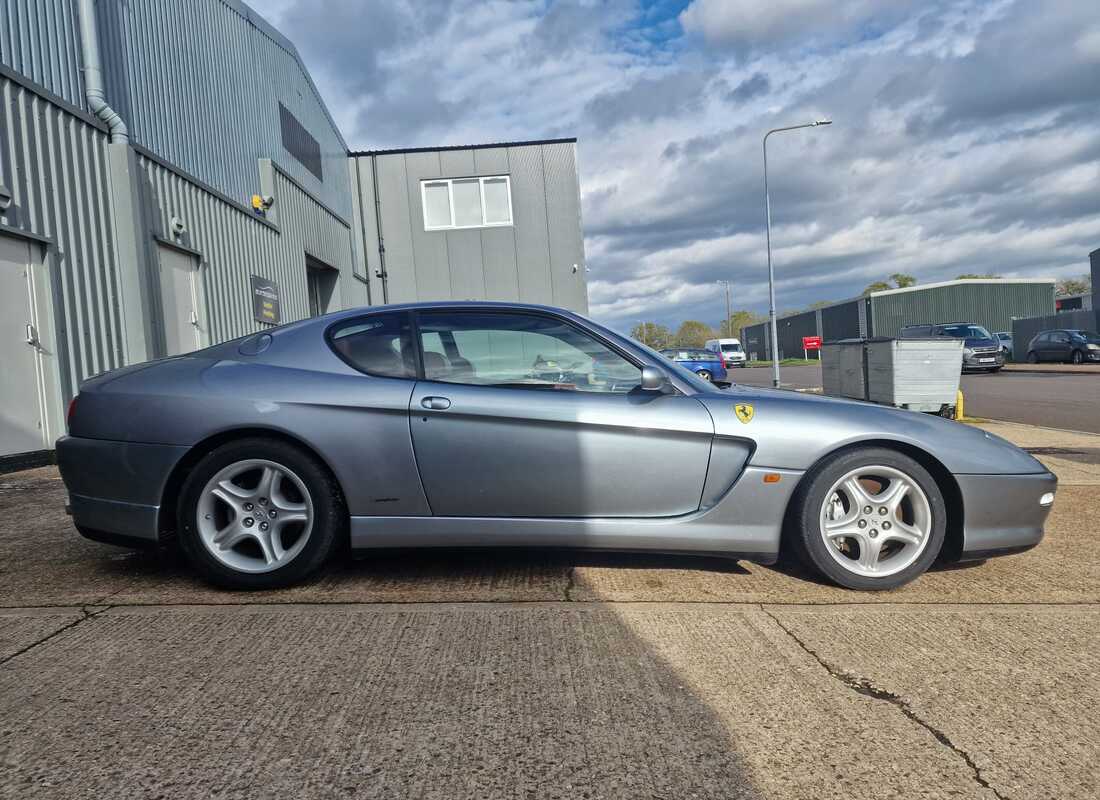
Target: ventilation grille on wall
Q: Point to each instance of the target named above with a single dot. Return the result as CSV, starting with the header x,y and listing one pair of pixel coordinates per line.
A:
x,y
299,143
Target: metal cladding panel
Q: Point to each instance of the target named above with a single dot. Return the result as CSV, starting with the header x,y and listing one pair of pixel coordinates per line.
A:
x,y
840,321
791,331
40,39
991,304
232,245
754,339
199,83
55,165
1024,330
464,255
365,227
529,224
498,245
563,219
393,187
433,274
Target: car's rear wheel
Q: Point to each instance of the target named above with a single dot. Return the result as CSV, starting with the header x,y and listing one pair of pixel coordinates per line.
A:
x,y
704,374
1032,358
869,518
259,514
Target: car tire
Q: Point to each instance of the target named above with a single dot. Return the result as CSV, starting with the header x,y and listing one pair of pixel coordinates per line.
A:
x,y
704,374
1032,358
820,498
1077,357
302,487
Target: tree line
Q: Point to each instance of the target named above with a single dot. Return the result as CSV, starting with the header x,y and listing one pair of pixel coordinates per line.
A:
x,y
694,333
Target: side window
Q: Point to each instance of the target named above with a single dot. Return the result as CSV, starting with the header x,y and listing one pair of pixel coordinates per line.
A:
x,y
520,350
378,345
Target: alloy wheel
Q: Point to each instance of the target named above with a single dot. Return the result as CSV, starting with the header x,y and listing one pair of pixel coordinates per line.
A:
x,y
875,521
704,374
255,516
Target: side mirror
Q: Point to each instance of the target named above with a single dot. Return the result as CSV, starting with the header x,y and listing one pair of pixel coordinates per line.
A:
x,y
653,380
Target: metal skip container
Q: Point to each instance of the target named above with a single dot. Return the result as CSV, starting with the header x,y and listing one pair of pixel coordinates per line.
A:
x,y
917,374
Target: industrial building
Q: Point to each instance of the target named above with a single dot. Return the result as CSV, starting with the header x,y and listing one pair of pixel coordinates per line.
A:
x,y
170,178
993,303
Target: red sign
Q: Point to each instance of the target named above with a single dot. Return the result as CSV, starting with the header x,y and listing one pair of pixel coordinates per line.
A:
x,y
811,342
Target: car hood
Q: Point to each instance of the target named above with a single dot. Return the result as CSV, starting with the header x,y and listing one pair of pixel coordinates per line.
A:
x,y
794,430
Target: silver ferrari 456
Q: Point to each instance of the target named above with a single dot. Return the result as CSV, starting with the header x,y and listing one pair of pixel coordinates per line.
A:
x,y
489,425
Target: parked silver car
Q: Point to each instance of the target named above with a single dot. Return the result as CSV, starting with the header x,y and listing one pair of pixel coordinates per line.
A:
x,y
484,424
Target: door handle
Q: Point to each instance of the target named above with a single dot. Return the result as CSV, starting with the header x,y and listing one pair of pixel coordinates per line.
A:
x,y
436,403
32,335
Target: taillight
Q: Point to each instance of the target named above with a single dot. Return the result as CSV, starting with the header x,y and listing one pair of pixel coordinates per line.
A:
x,y
71,410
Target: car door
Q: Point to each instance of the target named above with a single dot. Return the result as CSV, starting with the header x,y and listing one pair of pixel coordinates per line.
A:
x,y
525,414
1059,347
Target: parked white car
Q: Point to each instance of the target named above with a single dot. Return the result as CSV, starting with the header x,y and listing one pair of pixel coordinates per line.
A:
x,y
732,353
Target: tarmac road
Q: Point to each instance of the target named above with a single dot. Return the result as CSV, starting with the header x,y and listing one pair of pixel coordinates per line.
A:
x,y
1070,402
534,675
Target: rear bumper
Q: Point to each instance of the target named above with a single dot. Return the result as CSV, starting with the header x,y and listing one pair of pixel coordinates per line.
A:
x,y
1002,512
116,488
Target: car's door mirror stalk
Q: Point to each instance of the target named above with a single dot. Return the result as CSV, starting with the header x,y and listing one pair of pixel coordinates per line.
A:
x,y
653,380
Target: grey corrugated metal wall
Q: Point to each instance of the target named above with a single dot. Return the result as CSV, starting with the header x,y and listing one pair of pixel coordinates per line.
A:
x,y
530,261
200,87
992,304
791,331
755,340
234,244
840,321
40,40
54,164
198,82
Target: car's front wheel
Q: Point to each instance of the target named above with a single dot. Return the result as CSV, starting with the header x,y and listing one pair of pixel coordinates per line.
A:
x,y
1077,358
704,374
259,514
869,518
1032,358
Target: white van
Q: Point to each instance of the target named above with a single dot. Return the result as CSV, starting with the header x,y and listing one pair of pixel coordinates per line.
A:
x,y
731,351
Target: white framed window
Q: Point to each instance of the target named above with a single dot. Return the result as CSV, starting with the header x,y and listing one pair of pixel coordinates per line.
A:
x,y
452,203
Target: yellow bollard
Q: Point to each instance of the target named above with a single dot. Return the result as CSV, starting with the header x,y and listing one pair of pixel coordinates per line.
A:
x,y
959,408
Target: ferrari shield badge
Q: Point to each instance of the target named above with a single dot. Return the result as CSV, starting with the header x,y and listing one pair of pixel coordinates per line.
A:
x,y
744,412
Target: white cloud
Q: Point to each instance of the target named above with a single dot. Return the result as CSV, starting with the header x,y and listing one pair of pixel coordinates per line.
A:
x,y
965,135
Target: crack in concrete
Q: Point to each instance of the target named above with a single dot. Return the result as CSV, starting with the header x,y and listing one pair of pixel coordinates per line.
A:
x,y
572,582
864,687
85,616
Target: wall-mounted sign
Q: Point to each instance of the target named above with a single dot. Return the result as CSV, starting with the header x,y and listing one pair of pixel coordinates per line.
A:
x,y
265,301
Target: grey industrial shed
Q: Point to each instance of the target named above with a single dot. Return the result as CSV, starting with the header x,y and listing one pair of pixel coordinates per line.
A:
x,y
993,303
537,256
170,177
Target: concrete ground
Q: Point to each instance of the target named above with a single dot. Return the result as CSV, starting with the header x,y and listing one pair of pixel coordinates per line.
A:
x,y
534,675
1050,395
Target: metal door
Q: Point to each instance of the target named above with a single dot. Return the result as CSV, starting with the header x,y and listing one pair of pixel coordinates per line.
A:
x,y
179,301
21,429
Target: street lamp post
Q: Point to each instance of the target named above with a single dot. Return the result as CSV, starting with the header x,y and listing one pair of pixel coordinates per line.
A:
x,y
771,272
727,285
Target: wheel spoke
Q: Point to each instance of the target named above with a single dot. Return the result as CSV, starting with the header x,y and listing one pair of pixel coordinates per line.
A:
x,y
856,492
231,535
892,495
231,499
272,552
869,550
269,477
904,532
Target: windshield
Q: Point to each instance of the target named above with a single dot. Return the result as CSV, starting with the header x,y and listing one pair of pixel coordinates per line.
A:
x,y
965,331
1092,337
731,348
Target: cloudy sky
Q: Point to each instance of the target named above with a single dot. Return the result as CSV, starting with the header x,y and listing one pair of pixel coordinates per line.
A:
x,y
966,134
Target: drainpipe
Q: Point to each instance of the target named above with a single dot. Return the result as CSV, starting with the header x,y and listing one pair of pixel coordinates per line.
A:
x,y
378,224
93,74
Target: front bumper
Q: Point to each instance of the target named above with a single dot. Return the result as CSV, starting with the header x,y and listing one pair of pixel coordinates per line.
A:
x,y
116,488
983,361
1002,513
